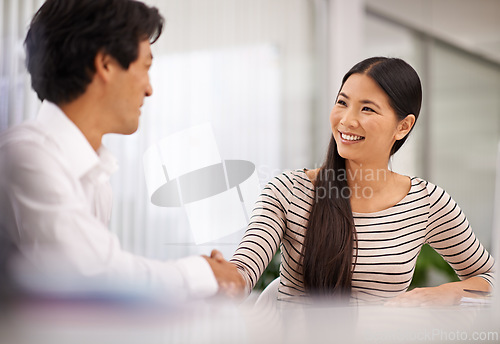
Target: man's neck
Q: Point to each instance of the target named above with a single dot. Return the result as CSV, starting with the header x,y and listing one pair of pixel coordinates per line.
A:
x,y
83,113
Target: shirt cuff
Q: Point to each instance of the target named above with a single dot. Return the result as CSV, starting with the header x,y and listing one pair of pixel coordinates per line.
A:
x,y
199,277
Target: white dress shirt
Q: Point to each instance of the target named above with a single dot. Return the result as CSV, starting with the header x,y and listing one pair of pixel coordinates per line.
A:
x,y
55,204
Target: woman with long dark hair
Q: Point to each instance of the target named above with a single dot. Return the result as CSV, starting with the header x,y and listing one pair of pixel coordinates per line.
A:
x,y
353,227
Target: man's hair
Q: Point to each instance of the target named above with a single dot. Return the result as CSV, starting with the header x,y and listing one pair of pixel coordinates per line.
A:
x,y
65,36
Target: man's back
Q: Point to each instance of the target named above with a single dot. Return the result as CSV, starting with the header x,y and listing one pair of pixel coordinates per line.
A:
x,y
89,62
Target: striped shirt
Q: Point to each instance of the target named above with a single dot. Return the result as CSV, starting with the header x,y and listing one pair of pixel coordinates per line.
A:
x,y
388,241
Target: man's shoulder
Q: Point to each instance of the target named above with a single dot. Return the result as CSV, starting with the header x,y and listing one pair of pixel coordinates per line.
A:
x,y
23,141
28,132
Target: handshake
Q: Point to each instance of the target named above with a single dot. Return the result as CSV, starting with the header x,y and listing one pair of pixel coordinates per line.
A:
x,y
231,282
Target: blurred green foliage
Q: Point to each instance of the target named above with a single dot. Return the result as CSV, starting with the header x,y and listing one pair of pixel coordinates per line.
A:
x,y
427,260
272,272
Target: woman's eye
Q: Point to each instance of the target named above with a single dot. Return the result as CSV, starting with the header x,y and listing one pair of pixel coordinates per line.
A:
x,y
341,102
366,108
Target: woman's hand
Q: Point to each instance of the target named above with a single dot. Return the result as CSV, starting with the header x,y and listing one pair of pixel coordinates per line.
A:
x,y
432,296
230,281
444,295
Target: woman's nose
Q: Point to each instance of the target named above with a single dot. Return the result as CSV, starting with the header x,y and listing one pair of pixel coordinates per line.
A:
x,y
349,119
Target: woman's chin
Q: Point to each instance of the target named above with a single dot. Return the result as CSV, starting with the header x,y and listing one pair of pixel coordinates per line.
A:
x,y
345,154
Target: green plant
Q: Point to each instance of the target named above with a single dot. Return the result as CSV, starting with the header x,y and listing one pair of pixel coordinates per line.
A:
x,y
272,272
428,260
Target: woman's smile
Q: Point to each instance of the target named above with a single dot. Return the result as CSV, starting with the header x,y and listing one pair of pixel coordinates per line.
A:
x,y
349,138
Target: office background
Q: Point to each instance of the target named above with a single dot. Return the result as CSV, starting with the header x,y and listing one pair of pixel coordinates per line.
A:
x,y
265,73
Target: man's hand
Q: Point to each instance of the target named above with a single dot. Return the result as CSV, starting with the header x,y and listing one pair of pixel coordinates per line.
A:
x,y
230,281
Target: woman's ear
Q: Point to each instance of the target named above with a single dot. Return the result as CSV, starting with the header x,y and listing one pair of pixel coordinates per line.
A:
x,y
404,126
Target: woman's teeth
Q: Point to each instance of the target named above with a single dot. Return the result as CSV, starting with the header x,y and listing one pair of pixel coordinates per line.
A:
x,y
351,137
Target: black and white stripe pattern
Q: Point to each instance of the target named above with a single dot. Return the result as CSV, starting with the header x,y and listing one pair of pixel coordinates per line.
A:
x,y
388,242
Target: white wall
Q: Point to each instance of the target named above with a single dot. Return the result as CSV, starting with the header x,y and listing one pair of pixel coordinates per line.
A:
x,y
313,43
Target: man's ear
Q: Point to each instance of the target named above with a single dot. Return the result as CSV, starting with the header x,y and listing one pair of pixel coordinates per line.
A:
x,y
404,126
103,65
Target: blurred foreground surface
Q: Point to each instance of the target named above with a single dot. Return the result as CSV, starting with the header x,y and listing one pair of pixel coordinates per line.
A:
x,y
221,321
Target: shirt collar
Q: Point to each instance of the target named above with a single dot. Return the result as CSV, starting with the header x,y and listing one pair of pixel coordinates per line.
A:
x,y
74,146
108,164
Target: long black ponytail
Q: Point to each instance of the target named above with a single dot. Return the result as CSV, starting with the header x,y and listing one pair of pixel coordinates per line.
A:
x,y
327,256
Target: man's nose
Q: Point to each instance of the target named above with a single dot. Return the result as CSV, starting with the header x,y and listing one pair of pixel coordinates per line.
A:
x,y
149,90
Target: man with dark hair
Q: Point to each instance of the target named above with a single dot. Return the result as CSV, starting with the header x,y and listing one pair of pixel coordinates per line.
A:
x,y
89,62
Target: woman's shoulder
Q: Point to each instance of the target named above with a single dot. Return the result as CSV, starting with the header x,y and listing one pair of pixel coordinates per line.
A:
x,y
290,180
427,189
302,177
311,174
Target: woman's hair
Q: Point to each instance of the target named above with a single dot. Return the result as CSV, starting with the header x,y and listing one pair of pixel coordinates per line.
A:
x,y
65,36
327,256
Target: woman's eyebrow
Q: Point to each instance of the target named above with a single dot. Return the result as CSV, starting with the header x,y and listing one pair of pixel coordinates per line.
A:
x,y
364,101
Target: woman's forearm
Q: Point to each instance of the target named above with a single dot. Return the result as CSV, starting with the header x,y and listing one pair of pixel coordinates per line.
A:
x,y
443,295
